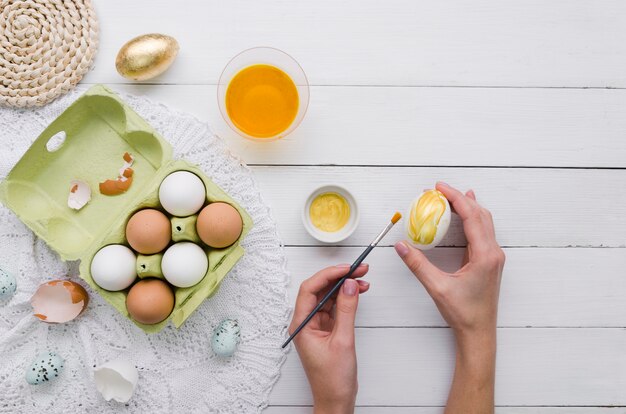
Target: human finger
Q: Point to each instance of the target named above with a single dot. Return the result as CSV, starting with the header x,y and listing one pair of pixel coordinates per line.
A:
x,y
426,272
470,212
345,313
307,298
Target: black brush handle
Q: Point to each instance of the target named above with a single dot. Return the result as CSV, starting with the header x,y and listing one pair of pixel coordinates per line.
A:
x,y
330,293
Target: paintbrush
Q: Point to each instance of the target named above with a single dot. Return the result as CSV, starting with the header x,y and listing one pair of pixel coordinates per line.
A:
x,y
354,266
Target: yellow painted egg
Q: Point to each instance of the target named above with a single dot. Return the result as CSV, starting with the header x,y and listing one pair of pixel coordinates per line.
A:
x,y
428,220
146,56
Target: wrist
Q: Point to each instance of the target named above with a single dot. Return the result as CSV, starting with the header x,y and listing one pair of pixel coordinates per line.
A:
x,y
476,354
477,339
333,407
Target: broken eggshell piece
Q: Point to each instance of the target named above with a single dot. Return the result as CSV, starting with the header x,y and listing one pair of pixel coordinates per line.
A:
x,y
79,196
59,301
116,380
123,181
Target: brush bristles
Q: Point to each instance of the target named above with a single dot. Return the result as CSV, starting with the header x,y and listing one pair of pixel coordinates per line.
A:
x,y
396,217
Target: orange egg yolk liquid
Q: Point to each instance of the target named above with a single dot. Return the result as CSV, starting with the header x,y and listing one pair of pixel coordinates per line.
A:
x,y
262,101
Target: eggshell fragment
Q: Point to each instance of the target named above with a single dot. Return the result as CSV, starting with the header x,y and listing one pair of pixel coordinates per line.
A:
x,y
79,196
116,380
123,181
59,301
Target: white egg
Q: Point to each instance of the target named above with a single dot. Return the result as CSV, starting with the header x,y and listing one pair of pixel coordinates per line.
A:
x,y
226,338
114,267
184,264
182,193
428,220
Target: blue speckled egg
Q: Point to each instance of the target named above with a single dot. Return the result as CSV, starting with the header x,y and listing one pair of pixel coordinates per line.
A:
x,y
46,367
226,337
8,284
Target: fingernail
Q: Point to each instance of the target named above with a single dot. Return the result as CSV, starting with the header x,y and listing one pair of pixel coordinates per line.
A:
x,y
442,183
402,249
350,287
363,283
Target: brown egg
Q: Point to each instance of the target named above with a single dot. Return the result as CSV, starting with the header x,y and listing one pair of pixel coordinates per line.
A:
x,y
150,301
219,225
148,231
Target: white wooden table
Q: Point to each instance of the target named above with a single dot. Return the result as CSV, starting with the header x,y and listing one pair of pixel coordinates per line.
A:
x,y
523,101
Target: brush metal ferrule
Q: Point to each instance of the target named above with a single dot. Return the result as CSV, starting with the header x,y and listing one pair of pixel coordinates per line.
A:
x,y
381,235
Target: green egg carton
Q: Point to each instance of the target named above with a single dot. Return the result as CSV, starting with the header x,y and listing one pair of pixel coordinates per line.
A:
x,y
99,128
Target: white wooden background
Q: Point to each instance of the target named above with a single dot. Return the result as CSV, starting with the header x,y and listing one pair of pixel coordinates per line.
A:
x,y
522,100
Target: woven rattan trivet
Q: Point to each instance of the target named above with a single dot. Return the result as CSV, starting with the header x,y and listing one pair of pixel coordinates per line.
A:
x,y
46,47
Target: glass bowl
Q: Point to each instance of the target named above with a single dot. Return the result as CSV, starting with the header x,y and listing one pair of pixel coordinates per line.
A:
x,y
264,56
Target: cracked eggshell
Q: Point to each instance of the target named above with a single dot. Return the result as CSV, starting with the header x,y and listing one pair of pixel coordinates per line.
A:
x,y
116,380
79,196
46,367
8,285
59,301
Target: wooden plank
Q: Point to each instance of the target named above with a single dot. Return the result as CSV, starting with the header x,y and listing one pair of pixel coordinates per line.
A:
x,y
431,126
540,288
397,42
535,367
439,410
531,207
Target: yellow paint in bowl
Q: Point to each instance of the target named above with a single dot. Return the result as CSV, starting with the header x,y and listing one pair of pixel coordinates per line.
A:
x,y
329,212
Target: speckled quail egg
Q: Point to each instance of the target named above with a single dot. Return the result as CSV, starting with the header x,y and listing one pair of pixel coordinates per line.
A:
x,y
8,284
428,220
226,338
46,367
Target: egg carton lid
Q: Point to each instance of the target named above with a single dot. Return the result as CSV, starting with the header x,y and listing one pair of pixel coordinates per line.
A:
x,y
86,142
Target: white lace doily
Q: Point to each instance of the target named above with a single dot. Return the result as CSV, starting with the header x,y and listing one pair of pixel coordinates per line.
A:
x,y
178,373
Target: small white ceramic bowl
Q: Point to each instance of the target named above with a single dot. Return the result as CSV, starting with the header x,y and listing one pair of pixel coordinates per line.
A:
x,y
337,236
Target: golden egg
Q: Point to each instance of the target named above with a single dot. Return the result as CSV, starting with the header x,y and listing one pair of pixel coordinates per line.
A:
x,y
146,56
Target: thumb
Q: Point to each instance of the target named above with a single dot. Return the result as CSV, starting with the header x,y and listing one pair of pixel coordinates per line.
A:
x,y
345,311
418,263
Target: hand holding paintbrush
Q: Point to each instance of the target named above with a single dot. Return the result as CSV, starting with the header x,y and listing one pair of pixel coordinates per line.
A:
x,y
340,282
